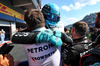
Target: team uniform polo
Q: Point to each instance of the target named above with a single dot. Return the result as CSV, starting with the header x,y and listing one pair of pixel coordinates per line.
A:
x,y
71,54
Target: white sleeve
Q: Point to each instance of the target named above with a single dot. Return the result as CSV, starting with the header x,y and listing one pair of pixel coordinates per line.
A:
x,y
60,26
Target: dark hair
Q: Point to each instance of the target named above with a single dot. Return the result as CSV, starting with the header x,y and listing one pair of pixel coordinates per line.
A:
x,y
97,20
98,15
65,29
80,28
34,18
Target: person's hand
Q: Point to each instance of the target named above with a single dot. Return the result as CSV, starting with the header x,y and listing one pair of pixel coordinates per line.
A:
x,y
56,41
7,60
44,36
57,33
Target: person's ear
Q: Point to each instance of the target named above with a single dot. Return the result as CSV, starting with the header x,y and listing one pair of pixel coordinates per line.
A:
x,y
72,29
28,27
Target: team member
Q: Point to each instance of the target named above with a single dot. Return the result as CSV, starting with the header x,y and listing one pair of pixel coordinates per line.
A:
x,y
71,54
92,56
40,54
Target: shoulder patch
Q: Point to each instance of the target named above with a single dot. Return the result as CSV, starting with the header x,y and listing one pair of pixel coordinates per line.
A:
x,y
86,41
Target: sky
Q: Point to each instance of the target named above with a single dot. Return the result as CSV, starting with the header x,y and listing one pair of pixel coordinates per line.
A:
x,y
72,11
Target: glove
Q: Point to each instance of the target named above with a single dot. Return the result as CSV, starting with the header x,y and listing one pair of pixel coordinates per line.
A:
x,y
44,36
57,33
56,41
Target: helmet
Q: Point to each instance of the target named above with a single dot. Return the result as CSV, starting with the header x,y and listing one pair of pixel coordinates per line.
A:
x,y
51,14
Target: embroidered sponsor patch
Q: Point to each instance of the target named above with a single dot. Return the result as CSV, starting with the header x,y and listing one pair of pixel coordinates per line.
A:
x,y
85,41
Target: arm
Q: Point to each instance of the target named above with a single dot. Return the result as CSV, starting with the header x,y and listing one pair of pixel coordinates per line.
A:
x,y
42,36
67,56
24,37
66,39
37,37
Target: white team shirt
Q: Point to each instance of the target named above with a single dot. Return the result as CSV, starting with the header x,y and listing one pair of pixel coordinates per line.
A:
x,y
43,54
